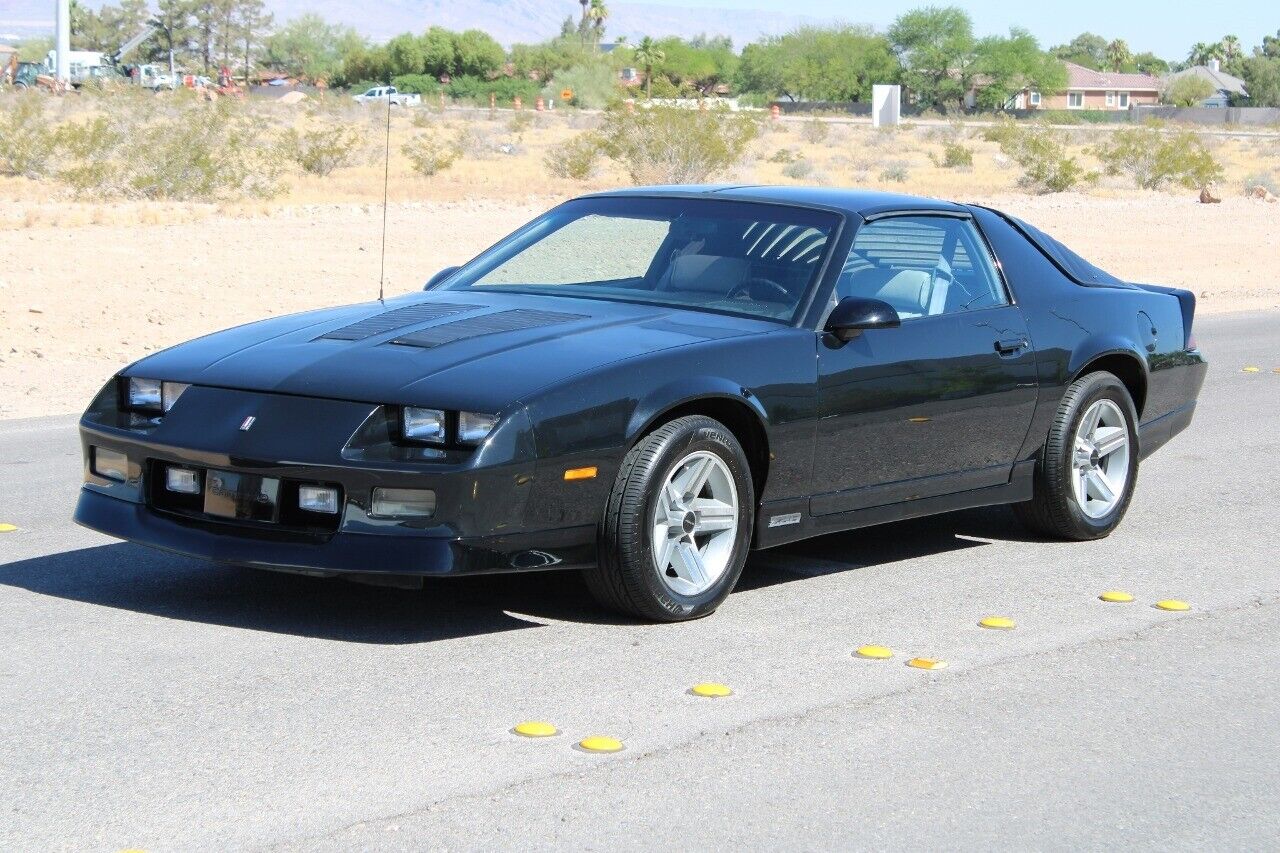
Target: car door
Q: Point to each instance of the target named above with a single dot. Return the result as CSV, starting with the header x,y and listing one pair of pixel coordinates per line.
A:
x,y
940,404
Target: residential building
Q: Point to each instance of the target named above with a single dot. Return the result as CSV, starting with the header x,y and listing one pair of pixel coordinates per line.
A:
x,y
1098,90
1225,86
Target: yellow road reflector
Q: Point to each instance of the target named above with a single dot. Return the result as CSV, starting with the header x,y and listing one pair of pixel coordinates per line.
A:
x,y
1116,596
534,728
1000,623
1172,604
711,690
8,528
1249,370
580,473
927,663
599,743
874,652
1275,370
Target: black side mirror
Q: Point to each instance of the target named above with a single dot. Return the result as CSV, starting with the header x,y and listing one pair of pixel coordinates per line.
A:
x,y
439,277
854,314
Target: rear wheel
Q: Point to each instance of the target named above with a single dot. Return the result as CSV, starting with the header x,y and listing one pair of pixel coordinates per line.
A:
x,y
677,528
1087,470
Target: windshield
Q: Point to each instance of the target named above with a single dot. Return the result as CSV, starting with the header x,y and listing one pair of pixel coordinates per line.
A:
x,y
756,260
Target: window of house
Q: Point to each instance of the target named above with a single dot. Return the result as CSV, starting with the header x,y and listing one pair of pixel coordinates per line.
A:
x,y
1124,100
1075,100
1111,99
1034,99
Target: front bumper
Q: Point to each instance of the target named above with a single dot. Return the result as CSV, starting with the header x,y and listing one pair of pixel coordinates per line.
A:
x,y
487,519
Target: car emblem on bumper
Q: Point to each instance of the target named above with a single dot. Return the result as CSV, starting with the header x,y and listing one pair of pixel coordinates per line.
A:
x,y
247,423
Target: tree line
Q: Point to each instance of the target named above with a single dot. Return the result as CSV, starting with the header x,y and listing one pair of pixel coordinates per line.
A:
x,y
933,52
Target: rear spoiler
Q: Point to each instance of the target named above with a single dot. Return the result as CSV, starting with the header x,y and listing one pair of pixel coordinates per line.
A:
x,y
1186,301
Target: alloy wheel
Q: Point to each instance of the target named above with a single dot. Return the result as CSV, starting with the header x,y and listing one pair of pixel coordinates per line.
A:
x,y
1100,459
695,524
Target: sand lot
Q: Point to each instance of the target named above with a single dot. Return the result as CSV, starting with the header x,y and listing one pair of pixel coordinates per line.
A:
x,y
79,301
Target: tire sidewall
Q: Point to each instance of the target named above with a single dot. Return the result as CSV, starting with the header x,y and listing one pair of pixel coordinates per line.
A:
x,y
703,435
1104,387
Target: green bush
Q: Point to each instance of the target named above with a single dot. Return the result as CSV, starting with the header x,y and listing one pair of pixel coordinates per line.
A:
x,y
321,150
896,174
670,145
954,156
1041,151
429,154
576,158
815,131
1155,158
1187,91
798,171
784,155
416,84
477,89
28,138
594,86
84,148
520,122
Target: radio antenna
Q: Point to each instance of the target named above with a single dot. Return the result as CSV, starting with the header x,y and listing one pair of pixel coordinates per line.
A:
x,y
386,182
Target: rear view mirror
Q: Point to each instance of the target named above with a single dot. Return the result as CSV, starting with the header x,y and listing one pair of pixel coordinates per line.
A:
x,y
853,315
439,277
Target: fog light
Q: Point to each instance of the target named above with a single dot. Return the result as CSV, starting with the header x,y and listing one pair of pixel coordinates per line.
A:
x,y
110,464
403,503
318,499
184,481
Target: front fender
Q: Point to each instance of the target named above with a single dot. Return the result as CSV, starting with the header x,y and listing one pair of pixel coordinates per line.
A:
x,y
686,390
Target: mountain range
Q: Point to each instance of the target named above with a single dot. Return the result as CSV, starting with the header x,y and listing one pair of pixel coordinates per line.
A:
x,y
508,21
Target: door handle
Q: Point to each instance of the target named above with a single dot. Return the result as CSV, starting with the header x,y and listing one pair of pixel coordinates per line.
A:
x,y
1009,346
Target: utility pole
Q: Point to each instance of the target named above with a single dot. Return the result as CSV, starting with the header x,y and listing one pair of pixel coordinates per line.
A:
x,y
62,71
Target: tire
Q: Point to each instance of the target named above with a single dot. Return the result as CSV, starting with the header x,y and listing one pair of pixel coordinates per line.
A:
x,y
628,578
1065,472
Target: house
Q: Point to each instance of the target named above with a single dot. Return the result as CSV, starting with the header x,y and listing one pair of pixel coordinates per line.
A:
x,y
1224,85
1098,90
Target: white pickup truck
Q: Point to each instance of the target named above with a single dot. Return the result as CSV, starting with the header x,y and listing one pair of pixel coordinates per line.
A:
x,y
379,94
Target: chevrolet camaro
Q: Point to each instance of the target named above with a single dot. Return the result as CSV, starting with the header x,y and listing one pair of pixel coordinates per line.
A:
x,y
647,384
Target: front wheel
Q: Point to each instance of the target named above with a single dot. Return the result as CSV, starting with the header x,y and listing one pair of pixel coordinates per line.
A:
x,y
1089,465
677,528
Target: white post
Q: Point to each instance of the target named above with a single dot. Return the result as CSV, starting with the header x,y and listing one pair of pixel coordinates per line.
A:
x,y
886,104
62,71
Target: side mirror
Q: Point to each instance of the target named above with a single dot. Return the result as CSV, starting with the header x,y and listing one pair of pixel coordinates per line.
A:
x,y
439,277
854,314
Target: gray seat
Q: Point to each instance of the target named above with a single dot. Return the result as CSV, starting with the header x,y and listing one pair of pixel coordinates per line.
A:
x,y
705,274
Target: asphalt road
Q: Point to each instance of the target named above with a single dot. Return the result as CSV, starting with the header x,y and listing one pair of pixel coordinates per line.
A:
x,y
152,702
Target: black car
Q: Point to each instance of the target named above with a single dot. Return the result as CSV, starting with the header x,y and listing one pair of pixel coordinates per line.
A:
x,y
647,384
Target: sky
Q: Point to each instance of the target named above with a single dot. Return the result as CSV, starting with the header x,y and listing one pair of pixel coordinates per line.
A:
x,y
1167,29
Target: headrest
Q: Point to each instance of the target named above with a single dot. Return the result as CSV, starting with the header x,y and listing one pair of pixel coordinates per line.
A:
x,y
707,273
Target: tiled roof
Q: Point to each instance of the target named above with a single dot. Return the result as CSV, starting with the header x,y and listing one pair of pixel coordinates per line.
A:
x,y
1220,80
1079,77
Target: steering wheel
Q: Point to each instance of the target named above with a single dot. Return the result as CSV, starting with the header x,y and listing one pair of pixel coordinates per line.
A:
x,y
761,289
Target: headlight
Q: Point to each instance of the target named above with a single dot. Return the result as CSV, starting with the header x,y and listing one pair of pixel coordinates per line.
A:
x,y
473,428
425,425
152,395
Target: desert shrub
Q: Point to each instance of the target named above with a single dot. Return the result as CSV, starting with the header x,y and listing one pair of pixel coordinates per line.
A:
x,y
319,151
896,174
28,137
505,89
954,156
1266,180
594,85
1187,91
663,88
815,131
429,154
1154,158
784,155
576,158
84,149
670,145
520,122
799,170
1041,151
475,143
416,84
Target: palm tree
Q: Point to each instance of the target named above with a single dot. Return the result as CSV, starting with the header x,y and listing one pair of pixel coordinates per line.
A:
x,y
1231,48
1202,52
1118,55
648,54
598,14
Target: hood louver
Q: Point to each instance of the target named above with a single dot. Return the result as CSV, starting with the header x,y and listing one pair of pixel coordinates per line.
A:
x,y
487,324
399,318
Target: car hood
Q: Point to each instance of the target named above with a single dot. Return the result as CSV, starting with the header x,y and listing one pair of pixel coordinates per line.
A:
x,y
455,350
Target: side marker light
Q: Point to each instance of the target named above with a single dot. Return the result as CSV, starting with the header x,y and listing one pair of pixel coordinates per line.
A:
x,y
580,473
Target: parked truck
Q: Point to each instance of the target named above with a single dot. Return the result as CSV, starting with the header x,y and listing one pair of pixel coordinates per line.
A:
x,y
384,94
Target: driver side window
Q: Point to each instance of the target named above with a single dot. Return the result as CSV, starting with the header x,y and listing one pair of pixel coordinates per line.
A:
x,y
921,265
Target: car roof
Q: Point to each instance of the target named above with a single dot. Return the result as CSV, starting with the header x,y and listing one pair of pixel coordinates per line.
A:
x,y
854,201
